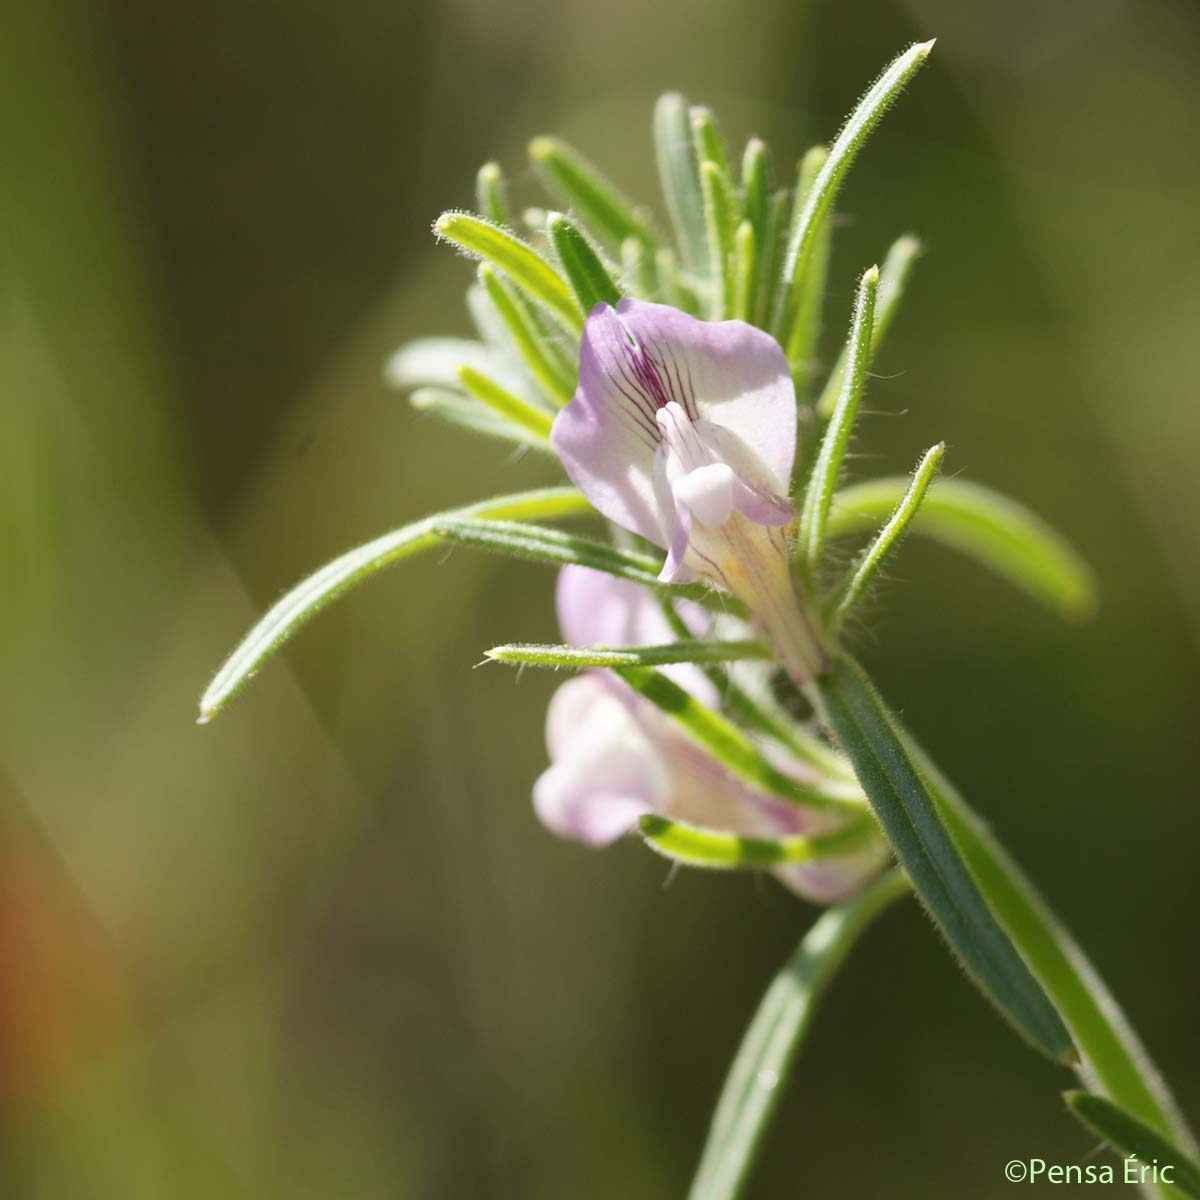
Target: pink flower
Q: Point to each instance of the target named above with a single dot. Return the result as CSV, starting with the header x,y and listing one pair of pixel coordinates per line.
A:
x,y
615,757
684,432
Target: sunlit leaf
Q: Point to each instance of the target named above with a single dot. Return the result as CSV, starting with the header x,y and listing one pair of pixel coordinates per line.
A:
x,y
491,194
985,525
589,278
680,175
799,324
554,548
879,98
732,748
580,657
720,215
887,539
533,421
581,185
818,494
305,600
697,847
543,359
893,278
519,261
468,413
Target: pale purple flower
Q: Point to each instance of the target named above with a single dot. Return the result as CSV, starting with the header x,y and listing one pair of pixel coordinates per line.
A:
x,y
615,757
684,432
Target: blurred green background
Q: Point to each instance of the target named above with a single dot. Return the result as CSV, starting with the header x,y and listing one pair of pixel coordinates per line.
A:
x,y
322,948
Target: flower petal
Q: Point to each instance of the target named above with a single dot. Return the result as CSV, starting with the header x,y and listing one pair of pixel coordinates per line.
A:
x,y
638,358
606,771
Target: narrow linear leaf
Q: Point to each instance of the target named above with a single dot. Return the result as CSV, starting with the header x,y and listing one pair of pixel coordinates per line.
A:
x,y
771,258
756,186
697,847
906,809
708,143
879,98
545,364
554,548
490,194
745,260
680,175
1133,1138
800,325
888,538
535,422
519,261
305,600
581,185
893,279
1112,1056
1002,535
758,1076
818,496
729,746
581,657
467,413
588,276
719,218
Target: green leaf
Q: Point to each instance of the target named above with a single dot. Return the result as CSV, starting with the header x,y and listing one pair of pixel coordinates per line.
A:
x,y
581,185
1113,1057
1135,1139
556,549
902,800
761,1068
535,422
756,186
545,364
588,276
337,577
580,657
468,413
697,847
879,98
680,176
771,258
708,143
818,495
800,325
490,194
729,746
719,216
893,278
888,538
745,266
519,261
996,531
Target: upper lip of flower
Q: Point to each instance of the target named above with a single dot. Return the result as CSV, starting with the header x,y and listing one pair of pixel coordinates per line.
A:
x,y
660,388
